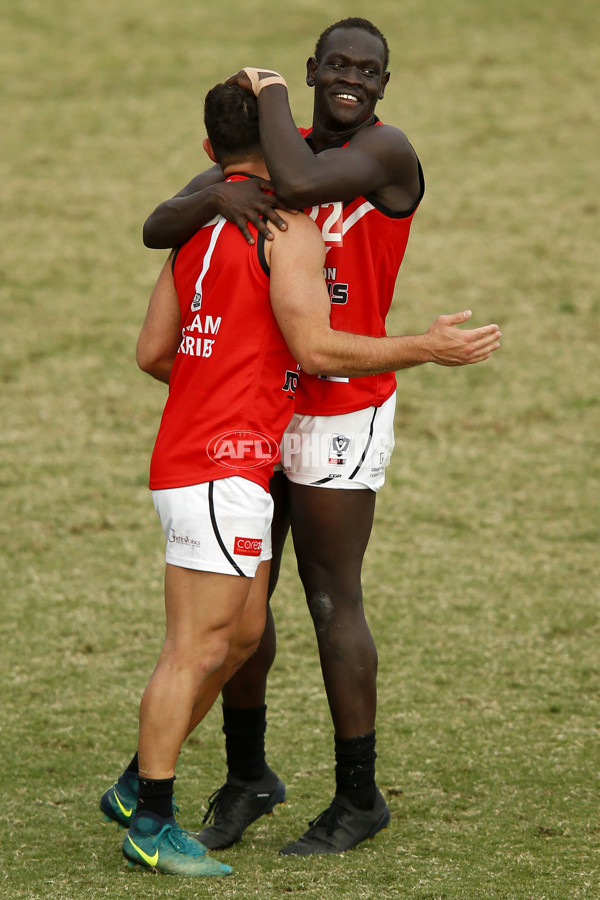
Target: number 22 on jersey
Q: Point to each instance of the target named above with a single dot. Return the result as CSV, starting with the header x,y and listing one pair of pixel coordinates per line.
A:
x,y
330,219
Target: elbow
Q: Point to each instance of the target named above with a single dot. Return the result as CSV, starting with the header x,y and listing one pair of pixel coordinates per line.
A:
x,y
148,358
313,363
310,368
145,363
149,235
156,368
156,232
147,238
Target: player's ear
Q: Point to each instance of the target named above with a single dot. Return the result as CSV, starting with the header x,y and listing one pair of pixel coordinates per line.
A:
x,y
311,71
209,150
384,83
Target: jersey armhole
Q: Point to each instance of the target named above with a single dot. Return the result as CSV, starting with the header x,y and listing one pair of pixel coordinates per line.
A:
x,y
262,256
403,214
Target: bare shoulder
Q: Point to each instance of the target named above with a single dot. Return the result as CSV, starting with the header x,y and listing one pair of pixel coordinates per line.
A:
x,y
400,185
383,138
302,238
299,227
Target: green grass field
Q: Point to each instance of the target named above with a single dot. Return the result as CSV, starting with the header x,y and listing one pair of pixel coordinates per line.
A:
x,y
482,574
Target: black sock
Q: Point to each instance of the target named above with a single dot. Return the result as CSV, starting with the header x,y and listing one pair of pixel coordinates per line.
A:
x,y
133,765
156,795
355,769
245,741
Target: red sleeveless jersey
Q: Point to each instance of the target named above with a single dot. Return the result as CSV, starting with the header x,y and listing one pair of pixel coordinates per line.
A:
x,y
365,246
231,391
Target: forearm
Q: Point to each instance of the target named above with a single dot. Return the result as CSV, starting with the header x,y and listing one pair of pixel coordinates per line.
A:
x,y
353,355
444,344
293,167
176,220
339,353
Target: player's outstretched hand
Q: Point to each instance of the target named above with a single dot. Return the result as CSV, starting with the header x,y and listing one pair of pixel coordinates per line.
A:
x,y
241,202
452,346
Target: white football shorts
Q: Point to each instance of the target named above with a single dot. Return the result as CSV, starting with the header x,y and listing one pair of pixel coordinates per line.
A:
x,y
349,451
219,526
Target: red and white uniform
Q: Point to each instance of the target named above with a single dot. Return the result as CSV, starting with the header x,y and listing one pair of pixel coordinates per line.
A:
x,y
365,247
231,392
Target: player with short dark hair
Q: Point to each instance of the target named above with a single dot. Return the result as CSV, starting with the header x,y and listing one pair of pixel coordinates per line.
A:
x,y
353,22
362,182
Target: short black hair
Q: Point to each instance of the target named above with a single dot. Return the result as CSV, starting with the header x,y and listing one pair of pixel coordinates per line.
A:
x,y
231,122
354,22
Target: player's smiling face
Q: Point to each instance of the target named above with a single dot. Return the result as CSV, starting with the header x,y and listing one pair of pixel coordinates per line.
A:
x,y
349,79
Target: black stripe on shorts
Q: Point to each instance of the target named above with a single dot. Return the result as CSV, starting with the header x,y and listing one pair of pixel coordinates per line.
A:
x,y
213,519
368,444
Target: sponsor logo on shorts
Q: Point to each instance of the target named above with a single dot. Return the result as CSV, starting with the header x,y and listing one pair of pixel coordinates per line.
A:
x,y
182,539
242,449
338,450
247,546
314,452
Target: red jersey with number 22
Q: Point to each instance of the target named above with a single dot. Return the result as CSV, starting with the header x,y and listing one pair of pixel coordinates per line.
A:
x,y
365,245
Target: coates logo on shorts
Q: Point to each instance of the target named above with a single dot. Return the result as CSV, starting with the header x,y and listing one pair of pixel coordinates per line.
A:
x,y
242,449
247,546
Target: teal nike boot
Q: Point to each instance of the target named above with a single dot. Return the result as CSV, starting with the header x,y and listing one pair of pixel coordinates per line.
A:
x,y
160,845
118,803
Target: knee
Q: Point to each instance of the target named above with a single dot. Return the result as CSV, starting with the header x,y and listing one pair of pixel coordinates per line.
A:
x,y
338,606
246,642
329,583
321,606
214,653
200,659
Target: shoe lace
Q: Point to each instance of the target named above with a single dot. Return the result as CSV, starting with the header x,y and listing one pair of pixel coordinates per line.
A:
x,y
214,801
184,842
328,819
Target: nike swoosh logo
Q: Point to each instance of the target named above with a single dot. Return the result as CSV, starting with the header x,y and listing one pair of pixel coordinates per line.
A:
x,y
151,860
126,812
